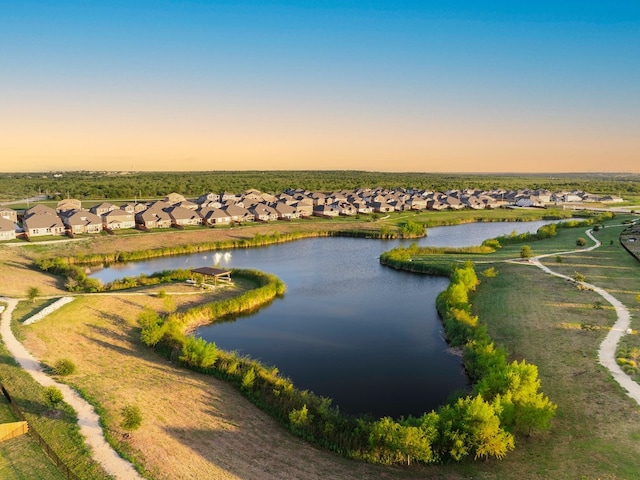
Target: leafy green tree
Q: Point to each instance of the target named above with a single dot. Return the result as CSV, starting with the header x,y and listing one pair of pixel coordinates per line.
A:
x,y
466,275
515,390
33,293
526,252
471,426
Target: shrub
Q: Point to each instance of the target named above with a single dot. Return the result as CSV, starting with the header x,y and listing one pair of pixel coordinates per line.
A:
x,y
526,252
52,396
581,242
131,417
248,379
490,272
64,367
197,352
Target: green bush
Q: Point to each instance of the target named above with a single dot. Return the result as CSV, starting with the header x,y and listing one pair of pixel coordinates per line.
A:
x,y
52,396
131,417
64,367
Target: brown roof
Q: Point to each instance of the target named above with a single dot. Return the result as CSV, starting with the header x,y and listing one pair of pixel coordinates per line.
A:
x,y
214,272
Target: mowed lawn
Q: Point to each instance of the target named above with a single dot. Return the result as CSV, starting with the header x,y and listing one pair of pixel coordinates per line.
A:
x,y
197,427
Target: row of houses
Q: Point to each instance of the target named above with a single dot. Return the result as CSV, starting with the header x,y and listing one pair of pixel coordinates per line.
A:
x,y
227,208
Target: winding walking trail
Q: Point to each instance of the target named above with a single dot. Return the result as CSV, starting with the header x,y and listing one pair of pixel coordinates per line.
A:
x,y
88,420
607,350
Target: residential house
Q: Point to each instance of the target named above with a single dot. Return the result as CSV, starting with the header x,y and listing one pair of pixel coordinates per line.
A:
x,y
381,206
323,210
39,209
68,204
82,221
417,202
118,219
182,217
153,218
42,224
9,214
134,207
103,208
303,207
214,216
208,197
345,208
362,207
238,213
285,211
174,198
263,213
7,229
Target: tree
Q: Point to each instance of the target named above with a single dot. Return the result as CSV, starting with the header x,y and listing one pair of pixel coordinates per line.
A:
x,y
395,442
33,293
153,327
131,417
517,397
526,252
472,426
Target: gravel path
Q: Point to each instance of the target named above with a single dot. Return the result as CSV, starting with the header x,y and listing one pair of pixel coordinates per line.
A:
x,y
607,350
88,420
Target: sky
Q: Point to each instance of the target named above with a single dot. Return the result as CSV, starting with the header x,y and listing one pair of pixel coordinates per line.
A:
x,y
411,86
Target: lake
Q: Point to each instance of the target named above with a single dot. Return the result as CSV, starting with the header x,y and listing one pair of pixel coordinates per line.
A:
x,y
348,328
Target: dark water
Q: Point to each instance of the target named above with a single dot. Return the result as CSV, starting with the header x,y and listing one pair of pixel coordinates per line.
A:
x,y
365,335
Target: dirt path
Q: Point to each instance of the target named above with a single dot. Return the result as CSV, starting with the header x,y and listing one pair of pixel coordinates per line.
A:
x,y
607,350
88,420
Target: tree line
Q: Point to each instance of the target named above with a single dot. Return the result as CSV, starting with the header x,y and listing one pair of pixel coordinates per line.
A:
x,y
147,185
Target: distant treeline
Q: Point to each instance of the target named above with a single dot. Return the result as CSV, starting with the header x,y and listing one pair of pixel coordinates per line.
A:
x,y
144,185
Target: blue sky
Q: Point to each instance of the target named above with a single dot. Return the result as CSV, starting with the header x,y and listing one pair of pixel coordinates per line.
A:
x,y
379,85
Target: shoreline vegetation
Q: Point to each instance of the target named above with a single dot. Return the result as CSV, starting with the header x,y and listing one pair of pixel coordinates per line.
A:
x,y
405,441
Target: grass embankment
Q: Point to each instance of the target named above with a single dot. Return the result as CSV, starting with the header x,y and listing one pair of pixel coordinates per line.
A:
x,y
58,427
